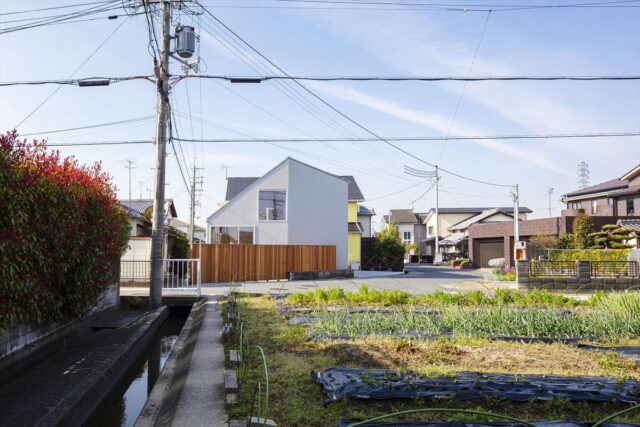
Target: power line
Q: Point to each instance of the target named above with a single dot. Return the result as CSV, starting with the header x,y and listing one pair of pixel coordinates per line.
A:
x,y
54,7
97,125
72,74
364,139
464,86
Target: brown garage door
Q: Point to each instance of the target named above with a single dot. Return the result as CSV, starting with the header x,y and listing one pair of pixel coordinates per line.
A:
x,y
488,249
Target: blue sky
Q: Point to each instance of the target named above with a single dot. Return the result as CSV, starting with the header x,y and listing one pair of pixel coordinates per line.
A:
x,y
573,41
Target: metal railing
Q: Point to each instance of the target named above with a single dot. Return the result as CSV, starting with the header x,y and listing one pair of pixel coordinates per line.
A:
x,y
614,269
135,271
552,269
181,274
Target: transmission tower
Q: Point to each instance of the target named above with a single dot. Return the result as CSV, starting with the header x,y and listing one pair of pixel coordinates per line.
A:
x,y
583,175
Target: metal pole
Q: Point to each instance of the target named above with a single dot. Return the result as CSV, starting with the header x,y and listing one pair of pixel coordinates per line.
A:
x,y
437,220
516,215
157,235
193,205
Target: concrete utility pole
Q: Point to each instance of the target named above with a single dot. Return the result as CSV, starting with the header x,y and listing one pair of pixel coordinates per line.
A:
x,y
194,190
549,193
157,234
129,165
516,214
437,219
429,175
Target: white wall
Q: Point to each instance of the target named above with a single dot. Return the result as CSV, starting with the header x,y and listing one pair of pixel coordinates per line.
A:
x,y
318,210
242,211
446,221
365,220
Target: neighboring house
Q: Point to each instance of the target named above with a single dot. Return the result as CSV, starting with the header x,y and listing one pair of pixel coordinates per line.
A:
x,y
454,223
292,204
633,224
354,227
364,219
410,226
141,209
199,232
616,197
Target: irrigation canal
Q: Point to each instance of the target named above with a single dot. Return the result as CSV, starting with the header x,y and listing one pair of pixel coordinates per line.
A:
x,y
103,374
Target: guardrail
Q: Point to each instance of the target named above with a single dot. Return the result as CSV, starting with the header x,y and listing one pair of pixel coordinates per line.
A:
x,y
614,269
181,274
552,269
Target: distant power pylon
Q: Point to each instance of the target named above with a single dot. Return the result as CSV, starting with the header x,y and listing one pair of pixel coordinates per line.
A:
x,y
583,175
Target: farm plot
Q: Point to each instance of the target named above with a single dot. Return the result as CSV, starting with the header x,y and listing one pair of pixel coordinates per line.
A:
x,y
296,399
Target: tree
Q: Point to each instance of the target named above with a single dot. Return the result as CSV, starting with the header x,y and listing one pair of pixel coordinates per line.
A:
x,y
389,246
582,230
612,236
566,241
544,242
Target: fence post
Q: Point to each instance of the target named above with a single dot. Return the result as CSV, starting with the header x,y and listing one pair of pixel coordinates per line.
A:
x,y
522,273
583,271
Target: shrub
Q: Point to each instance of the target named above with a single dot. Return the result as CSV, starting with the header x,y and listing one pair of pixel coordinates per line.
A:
x,y
589,255
389,246
612,236
582,229
62,233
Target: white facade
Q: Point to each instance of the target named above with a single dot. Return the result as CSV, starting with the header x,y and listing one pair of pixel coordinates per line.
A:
x,y
315,209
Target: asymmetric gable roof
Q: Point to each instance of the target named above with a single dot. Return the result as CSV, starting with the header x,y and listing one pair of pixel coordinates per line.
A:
x,y
477,218
507,210
365,211
612,184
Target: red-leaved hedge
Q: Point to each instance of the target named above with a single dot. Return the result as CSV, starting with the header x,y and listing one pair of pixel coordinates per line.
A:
x,y
62,233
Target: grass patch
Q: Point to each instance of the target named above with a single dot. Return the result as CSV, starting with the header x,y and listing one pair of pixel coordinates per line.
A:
x,y
297,401
384,297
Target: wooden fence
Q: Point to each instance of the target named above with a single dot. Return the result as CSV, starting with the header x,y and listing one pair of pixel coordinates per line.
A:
x,y
228,263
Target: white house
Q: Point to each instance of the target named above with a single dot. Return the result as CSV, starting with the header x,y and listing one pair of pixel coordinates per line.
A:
x,y
409,223
199,232
292,204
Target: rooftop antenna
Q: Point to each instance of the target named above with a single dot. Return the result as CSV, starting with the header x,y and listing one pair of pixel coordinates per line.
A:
x,y
226,170
583,175
129,165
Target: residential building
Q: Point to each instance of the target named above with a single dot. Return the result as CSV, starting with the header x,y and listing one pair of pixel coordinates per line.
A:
x,y
199,232
355,229
365,216
140,214
292,204
616,197
410,226
454,223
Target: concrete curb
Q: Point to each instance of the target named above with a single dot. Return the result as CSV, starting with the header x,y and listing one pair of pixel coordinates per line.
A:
x,y
89,394
154,412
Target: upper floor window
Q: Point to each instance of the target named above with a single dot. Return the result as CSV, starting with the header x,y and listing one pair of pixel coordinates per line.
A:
x,y
630,207
430,230
575,205
594,206
272,205
232,235
407,235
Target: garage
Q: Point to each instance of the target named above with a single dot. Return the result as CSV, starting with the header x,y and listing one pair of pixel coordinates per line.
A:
x,y
486,249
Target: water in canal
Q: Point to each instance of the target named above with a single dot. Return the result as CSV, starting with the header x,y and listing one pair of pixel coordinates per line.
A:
x,y
125,402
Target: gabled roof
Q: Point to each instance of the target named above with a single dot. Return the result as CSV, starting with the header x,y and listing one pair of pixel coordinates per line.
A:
x,y
476,211
402,216
364,211
603,187
354,193
238,183
629,223
141,205
257,180
478,218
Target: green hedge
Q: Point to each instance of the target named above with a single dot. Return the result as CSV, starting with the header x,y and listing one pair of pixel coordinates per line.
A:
x,y
62,234
589,254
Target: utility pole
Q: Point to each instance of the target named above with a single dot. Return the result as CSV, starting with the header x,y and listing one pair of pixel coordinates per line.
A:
x,y
194,190
162,86
129,165
549,193
429,175
226,170
516,213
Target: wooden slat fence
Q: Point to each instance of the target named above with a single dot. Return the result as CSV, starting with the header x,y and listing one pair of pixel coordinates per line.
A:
x,y
229,263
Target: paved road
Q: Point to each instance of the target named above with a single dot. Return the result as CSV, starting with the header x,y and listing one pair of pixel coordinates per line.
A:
x,y
418,279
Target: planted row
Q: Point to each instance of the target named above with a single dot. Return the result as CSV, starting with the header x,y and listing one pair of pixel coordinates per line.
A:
x,y
614,317
385,297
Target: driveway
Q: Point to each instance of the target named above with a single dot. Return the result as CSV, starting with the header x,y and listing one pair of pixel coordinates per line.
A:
x,y
418,279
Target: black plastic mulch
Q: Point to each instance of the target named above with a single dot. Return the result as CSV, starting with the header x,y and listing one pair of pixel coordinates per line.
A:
x,y
562,423
339,383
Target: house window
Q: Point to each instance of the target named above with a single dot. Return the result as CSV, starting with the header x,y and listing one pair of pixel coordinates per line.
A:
x,y
232,235
430,230
610,200
594,206
630,209
575,205
407,235
272,205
